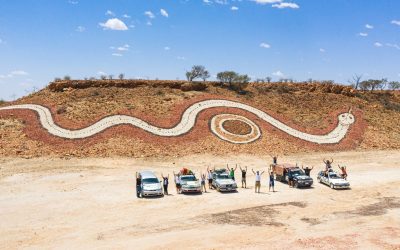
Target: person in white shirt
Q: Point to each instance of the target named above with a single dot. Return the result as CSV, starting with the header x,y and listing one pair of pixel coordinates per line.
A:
x,y
177,182
258,180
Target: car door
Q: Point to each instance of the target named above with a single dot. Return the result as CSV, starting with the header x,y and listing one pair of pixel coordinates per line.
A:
x,y
327,180
214,179
323,178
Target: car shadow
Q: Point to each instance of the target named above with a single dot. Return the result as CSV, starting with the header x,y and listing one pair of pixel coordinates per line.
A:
x,y
229,192
192,194
151,197
311,187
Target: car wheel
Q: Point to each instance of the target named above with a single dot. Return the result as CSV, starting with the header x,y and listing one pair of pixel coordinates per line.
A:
x,y
332,186
218,189
296,184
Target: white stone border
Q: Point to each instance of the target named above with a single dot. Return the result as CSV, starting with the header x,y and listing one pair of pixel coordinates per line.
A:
x,y
186,123
216,126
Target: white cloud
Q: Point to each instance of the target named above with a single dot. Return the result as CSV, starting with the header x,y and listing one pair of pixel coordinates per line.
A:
x,y
116,54
207,2
369,26
126,16
102,73
110,13
72,2
149,14
19,73
15,73
322,50
221,1
363,34
114,24
181,58
265,45
149,23
234,8
167,48
286,5
278,74
378,44
396,46
80,29
123,48
395,22
267,1
164,13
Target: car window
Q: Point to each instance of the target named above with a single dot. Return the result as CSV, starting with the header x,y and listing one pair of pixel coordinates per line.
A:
x,y
150,180
188,178
297,172
334,176
223,176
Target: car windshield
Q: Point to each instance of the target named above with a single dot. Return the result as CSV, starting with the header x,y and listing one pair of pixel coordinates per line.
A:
x,y
220,171
150,180
334,176
223,176
297,172
188,178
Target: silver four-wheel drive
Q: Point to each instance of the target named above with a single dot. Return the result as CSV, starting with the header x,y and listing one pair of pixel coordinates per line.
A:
x,y
222,181
150,186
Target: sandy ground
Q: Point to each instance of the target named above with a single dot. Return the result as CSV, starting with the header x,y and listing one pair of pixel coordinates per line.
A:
x,y
90,203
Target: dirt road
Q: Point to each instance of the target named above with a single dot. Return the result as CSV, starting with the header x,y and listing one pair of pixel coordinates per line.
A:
x,y
91,203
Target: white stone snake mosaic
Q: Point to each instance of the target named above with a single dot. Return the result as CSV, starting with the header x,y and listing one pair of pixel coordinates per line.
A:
x,y
187,122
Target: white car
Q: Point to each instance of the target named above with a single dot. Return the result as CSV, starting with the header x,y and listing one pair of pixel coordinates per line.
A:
x,y
189,184
333,180
151,186
223,182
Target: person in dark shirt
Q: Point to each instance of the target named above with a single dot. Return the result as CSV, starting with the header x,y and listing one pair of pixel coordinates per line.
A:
x,y
274,159
307,170
271,182
290,177
244,172
165,183
138,185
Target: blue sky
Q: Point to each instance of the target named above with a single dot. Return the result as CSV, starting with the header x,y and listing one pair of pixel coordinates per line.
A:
x,y
299,39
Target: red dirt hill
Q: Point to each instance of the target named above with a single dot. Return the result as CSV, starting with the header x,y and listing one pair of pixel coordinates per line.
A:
x,y
311,108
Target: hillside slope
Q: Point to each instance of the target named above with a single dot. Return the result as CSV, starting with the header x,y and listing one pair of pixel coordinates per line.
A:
x,y
307,108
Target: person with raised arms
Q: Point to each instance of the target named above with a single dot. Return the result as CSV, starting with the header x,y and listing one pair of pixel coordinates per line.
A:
x,y
258,180
209,177
244,172
328,164
231,171
177,182
165,183
307,170
203,183
343,169
271,182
